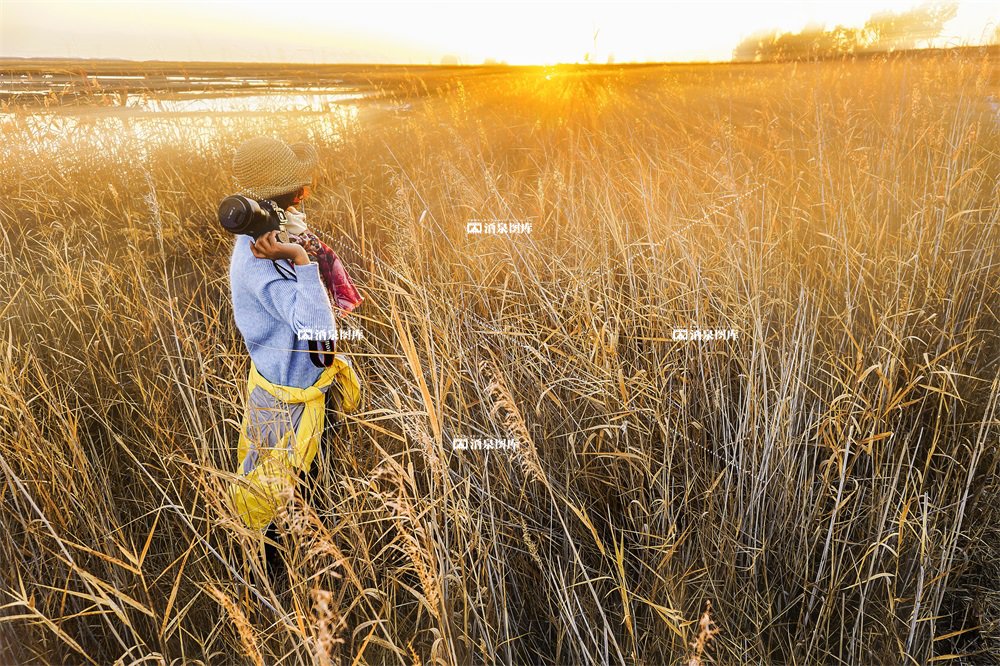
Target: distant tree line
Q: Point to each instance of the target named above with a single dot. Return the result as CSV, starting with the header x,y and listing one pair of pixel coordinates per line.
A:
x,y
885,31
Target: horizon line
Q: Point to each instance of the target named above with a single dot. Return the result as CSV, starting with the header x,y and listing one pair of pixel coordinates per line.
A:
x,y
498,63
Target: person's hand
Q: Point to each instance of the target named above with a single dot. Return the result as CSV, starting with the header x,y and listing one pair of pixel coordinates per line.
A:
x,y
269,247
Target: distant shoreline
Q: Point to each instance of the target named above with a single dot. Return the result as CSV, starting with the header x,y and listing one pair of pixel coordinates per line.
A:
x,y
21,64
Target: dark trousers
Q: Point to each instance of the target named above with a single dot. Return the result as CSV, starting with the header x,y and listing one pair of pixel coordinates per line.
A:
x,y
333,424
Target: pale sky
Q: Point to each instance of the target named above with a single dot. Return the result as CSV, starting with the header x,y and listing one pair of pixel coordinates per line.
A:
x,y
316,31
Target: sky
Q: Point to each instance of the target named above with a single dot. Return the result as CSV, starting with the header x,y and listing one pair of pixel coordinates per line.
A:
x,y
518,32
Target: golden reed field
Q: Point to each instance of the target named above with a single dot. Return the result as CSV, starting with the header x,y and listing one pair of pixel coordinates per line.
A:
x,y
820,489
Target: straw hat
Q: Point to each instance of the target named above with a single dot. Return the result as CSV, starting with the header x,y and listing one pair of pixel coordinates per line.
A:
x,y
265,167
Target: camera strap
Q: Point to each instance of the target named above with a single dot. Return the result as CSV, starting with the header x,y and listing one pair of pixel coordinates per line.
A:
x,y
321,353
290,275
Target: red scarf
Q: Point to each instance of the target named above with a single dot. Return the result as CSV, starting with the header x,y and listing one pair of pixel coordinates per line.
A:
x,y
342,291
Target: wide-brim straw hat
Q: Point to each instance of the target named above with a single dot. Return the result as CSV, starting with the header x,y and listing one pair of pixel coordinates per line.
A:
x,y
265,167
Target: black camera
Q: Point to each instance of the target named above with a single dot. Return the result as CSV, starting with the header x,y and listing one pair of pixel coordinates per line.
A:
x,y
242,215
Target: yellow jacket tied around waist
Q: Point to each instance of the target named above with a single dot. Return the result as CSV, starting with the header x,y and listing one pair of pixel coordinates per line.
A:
x,y
280,436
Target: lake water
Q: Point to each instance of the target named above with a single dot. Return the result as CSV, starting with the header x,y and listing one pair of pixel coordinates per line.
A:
x,y
53,113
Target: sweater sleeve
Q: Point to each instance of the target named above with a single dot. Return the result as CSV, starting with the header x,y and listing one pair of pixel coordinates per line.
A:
x,y
303,303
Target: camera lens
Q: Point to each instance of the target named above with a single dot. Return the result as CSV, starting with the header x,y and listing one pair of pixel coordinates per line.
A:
x,y
235,214
241,215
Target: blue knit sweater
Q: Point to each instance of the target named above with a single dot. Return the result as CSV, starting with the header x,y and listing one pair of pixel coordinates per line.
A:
x,y
272,313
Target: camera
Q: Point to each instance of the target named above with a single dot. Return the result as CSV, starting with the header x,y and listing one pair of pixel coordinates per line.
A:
x,y
242,215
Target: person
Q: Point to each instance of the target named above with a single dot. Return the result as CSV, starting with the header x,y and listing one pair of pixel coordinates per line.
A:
x,y
284,294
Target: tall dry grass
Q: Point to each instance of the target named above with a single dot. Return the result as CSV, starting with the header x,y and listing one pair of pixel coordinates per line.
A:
x,y
825,484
